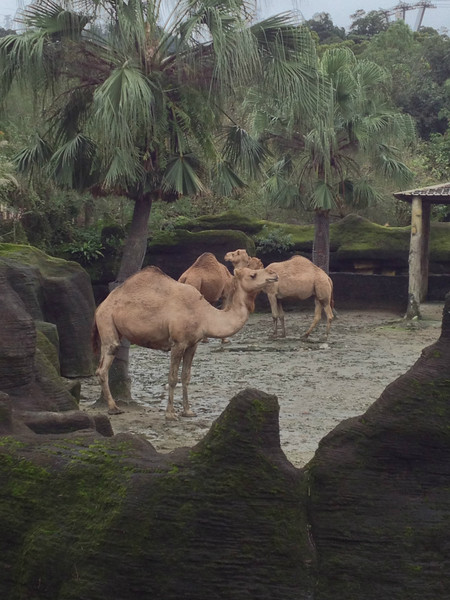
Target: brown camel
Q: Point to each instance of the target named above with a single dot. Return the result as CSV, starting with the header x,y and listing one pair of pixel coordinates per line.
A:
x,y
240,258
299,278
211,278
153,310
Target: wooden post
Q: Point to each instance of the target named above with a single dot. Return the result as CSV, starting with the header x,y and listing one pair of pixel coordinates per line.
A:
x,y
426,210
415,286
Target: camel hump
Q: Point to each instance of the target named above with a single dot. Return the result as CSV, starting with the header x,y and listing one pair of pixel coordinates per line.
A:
x,y
205,260
153,269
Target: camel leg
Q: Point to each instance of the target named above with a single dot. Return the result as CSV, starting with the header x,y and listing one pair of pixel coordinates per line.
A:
x,y
106,359
176,354
330,315
281,317
317,317
186,378
274,309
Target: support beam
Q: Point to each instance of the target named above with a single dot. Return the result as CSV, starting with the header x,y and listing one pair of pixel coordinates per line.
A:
x,y
425,249
418,256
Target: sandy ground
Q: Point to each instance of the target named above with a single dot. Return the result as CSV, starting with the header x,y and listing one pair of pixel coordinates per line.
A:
x,y
318,384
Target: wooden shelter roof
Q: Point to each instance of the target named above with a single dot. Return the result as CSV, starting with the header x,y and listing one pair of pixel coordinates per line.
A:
x,y
435,194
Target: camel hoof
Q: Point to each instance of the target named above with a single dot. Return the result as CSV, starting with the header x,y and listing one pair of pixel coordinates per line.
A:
x,y
115,411
171,417
225,341
188,413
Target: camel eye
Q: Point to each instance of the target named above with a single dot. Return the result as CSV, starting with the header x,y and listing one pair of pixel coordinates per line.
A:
x,y
253,275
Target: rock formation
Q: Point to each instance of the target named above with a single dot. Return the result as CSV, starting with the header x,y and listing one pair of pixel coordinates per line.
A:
x,y
47,312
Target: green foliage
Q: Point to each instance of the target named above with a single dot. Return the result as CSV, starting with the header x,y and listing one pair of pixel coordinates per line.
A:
x,y
325,29
419,66
367,25
86,248
272,241
437,156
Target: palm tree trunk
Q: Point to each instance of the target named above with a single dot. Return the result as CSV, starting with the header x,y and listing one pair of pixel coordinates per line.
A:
x,y
321,244
132,259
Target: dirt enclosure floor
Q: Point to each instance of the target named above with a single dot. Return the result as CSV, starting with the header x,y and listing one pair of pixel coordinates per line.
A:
x,y
318,384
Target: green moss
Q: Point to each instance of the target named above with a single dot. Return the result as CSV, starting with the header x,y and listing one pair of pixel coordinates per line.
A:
x,y
48,351
52,521
174,241
356,237
29,255
302,236
226,220
440,242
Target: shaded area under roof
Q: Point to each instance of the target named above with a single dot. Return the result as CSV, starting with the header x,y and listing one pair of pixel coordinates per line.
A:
x,y
435,194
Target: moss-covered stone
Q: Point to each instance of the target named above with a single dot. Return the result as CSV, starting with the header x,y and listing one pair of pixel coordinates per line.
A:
x,y
112,518
227,220
379,492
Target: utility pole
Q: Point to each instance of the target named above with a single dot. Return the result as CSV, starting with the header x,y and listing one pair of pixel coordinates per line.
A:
x,y
422,6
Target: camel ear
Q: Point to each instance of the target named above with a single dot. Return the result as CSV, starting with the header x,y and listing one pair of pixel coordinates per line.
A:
x,y
238,273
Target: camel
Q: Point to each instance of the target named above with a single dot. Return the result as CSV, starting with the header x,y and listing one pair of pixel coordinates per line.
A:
x,y
153,310
240,258
210,277
299,278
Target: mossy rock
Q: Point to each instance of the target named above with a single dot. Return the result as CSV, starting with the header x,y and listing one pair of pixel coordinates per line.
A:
x,y
29,255
226,220
224,519
56,291
48,342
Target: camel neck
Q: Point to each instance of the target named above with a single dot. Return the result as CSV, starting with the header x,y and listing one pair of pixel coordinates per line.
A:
x,y
226,322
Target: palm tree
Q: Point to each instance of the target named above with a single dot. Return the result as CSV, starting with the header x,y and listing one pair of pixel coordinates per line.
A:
x,y
134,97
334,157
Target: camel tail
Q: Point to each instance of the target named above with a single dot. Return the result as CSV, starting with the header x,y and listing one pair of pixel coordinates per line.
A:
x,y
95,338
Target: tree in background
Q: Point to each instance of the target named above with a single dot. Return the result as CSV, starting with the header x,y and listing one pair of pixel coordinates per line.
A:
x,y
366,25
330,162
419,64
143,106
326,30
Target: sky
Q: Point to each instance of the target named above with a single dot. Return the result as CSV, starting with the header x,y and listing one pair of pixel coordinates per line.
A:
x,y
340,12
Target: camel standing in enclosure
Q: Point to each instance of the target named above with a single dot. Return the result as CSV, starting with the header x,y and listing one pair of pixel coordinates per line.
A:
x,y
211,278
153,310
298,278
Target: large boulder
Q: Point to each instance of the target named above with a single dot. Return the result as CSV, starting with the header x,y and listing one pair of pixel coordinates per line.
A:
x,y
90,517
47,313
379,504
53,291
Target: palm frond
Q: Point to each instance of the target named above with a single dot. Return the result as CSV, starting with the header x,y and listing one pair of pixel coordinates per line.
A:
x,y
123,106
322,196
71,163
36,155
54,20
226,179
180,176
240,148
123,171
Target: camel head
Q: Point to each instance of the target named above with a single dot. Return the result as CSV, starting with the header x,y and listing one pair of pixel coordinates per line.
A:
x,y
238,258
251,281
255,280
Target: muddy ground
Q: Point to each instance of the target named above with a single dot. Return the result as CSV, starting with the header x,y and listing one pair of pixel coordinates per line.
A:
x,y
318,384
